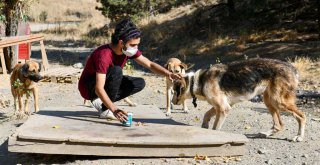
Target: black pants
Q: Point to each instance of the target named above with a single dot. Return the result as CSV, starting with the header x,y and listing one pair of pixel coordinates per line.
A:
x,y
117,85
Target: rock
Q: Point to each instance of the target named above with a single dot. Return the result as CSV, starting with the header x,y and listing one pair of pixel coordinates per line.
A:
x,y
305,155
161,92
238,159
268,161
262,151
78,65
247,127
257,98
315,119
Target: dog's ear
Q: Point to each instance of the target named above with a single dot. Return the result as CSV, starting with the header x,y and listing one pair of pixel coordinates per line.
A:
x,y
40,66
167,65
24,70
183,66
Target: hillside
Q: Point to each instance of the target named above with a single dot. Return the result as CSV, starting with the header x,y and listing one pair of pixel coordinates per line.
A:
x,y
202,33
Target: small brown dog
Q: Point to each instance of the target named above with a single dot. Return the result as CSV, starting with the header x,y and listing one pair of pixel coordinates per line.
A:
x,y
23,81
223,85
174,65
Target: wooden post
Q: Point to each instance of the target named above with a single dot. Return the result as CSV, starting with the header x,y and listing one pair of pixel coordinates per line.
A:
x,y
11,41
3,63
44,56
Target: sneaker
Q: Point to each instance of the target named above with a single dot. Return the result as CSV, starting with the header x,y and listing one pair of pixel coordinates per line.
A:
x,y
107,114
103,114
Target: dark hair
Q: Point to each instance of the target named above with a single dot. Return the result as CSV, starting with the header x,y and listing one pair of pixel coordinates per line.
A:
x,y
125,30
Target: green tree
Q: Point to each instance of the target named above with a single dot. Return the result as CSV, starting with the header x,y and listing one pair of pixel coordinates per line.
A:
x,y
2,17
11,11
136,9
117,9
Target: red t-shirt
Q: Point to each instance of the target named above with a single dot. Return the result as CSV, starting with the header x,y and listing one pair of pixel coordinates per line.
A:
x,y
99,62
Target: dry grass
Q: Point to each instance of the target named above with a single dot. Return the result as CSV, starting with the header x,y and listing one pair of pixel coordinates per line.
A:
x,y
66,10
301,64
171,15
92,21
72,10
274,35
215,42
309,72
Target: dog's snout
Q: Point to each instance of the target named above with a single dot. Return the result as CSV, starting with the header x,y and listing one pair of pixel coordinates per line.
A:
x,y
39,77
35,77
175,101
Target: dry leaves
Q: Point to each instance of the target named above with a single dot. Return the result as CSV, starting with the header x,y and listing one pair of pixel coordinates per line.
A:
x,y
197,119
198,157
140,124
4,102
315,119
56,126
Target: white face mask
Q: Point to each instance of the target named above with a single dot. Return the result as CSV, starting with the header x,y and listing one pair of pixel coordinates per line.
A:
x,y
130,51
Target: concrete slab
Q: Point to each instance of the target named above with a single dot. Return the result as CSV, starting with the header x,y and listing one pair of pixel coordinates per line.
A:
x,y
78,131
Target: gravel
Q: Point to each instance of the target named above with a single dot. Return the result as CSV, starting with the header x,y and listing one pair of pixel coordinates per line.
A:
x,y
248,118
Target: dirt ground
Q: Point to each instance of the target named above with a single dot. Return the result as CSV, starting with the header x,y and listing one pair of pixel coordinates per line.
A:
x,y
246,118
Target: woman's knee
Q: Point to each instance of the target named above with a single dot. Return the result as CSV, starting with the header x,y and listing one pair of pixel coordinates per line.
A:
x,y
140,83
115,70
114,74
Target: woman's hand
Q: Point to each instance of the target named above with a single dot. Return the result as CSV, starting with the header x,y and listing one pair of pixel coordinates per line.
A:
x,y
121,115
174,76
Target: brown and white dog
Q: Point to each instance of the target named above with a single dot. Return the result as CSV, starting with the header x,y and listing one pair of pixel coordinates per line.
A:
x,y
174,65
23,81
223,85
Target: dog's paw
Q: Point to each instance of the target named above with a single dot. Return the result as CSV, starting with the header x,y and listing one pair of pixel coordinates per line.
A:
x,y
298,138
186,110
27,113
205,125
20,115
168,114
265,134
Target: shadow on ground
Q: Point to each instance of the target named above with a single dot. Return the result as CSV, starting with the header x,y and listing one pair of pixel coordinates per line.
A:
x,y
63,57
91,116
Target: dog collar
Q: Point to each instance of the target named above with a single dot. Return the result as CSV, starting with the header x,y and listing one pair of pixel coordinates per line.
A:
x,y
194,99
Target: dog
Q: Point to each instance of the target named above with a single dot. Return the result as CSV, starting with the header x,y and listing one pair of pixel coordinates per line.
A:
x,y
223,85
174,65
23,81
